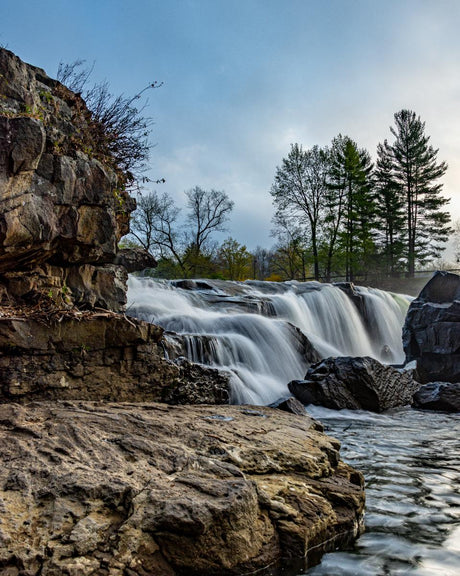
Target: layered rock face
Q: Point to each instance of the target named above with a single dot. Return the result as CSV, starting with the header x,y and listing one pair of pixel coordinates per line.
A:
x,y
99,356
149,489
355,384
431,333
63,210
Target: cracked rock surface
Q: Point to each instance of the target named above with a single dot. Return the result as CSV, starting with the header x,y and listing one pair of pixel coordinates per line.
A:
x,y
92,488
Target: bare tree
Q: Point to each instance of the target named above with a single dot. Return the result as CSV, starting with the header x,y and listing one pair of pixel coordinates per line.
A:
x,y
154,224
209,210
299,191
119,129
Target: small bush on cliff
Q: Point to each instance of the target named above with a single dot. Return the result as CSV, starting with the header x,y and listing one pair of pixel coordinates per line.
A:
x,y
118,129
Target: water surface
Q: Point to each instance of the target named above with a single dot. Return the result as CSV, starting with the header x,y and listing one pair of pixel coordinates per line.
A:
x,y
411,463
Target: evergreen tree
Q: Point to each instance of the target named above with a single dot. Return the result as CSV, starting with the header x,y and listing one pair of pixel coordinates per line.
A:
x,y
351,186
389,211
415,171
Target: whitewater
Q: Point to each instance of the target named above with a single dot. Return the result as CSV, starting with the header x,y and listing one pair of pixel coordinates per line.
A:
x,y
257,330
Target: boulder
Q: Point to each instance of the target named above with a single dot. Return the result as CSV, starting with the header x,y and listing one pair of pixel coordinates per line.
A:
x,y
290,404
431,333
123,489
442,396
355,384
135,259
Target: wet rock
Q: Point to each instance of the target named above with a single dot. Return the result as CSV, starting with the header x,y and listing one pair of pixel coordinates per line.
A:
x,y
442,396
431,333
90,488
355,384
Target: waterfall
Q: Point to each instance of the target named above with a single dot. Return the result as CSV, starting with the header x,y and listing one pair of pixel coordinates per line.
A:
x,y
267,334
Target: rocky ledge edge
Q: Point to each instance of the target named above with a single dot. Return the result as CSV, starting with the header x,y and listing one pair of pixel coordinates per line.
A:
x,y
137,489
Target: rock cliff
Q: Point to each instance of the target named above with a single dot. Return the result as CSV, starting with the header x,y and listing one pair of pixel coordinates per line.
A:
x,y
64,206
91,485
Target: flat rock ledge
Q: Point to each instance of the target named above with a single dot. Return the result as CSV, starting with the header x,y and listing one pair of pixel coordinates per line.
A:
x,y
141,489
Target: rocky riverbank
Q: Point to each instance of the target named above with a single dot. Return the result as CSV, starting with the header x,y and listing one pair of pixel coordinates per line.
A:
x,y
122,486
103,488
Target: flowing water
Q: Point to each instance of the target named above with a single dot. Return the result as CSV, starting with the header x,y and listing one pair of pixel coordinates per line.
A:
x,y
256,330
411,463
410,459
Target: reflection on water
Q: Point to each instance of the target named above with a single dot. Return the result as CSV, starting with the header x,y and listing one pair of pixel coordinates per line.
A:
x,y
411,462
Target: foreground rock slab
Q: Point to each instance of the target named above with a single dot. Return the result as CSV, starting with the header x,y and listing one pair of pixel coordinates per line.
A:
x,y
355,384
137,489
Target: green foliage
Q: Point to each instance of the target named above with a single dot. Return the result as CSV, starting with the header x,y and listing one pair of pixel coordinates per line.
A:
x,y
415,173
234,260
335,210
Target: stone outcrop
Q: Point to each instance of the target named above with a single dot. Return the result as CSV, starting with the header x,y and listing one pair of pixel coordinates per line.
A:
x,y
431,333
355,384
99,356
63,203
117,489
442,396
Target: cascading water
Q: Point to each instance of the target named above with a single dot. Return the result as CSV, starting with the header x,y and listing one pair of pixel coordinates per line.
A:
x,y
256,330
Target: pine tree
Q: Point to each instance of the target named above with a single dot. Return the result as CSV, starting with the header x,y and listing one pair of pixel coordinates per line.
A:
x,y
415,172
350,175
389,211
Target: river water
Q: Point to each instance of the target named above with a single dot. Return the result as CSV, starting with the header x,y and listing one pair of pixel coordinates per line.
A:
x,y
411,463
410,459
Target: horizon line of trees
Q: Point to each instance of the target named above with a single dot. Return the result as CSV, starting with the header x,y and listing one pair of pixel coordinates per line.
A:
x,y
337,215
349,216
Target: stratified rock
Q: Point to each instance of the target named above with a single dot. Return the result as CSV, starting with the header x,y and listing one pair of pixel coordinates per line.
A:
x,y
63,204
355,384
431,333
443,396
98,356
125,489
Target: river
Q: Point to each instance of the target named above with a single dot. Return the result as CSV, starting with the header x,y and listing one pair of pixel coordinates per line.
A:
x,y
410,459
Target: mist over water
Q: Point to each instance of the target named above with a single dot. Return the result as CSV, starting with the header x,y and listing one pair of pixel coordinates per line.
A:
x,y
252,329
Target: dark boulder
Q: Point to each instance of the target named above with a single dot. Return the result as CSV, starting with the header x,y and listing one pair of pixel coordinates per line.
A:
x,y
431,333
355,384
289,404
442,396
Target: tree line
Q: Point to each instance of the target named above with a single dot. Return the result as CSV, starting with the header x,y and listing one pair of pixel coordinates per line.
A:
x,y
337,215
348,216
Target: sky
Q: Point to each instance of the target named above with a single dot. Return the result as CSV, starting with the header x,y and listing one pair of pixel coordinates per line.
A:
x,y
243,79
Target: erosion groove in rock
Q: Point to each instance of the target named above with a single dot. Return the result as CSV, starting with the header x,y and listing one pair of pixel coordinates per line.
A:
x,y
354,384
153,489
